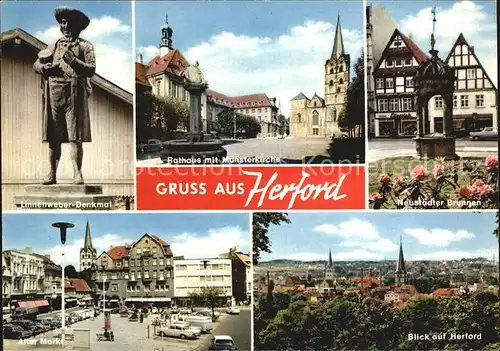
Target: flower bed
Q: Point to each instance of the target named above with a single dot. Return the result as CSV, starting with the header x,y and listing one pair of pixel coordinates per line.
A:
x,y
436,184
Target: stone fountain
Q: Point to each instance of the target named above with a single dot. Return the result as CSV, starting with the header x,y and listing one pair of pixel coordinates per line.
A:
x,y
196,147
435,77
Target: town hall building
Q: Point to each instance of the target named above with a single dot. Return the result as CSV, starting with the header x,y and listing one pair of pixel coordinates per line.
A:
x,y
318,116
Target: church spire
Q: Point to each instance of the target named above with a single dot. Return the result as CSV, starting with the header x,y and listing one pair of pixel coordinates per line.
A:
x,y
400,272
166,38
330,261
338,43
88,240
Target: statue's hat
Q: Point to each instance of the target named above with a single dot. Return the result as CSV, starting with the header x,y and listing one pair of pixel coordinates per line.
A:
x,y
80,20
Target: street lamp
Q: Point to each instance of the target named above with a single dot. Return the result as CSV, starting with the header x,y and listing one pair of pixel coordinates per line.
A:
x,y
104,293
63,226
234,127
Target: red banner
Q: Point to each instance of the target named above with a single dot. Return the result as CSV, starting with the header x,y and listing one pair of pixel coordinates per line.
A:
x,y
251,188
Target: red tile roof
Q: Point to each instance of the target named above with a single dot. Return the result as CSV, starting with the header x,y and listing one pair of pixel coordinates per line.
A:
x,y
415,50
140,74
173,62
446,292
241,101
80,285
166,247
118,252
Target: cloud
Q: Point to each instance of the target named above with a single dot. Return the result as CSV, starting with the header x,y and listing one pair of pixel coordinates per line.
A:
x,y
381,245
72,250
147,52
216,242
453,255
339,256
467,17
112,40
353,229
438,237
280,66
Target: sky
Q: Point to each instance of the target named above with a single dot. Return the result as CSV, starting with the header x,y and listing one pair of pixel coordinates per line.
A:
x,y
475,19
277,48
110,31
375,236
190,235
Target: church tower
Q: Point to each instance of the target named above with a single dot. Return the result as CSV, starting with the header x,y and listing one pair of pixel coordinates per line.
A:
x,y
88,253
400,273
329,268
166,38
337,78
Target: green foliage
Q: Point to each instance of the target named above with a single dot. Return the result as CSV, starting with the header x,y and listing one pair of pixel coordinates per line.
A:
x,y
354,322
352,116
246,126
284,126
70,272
260,228
496,231
208,295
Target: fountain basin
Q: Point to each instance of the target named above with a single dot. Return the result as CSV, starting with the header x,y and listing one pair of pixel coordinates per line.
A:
x,y
436,145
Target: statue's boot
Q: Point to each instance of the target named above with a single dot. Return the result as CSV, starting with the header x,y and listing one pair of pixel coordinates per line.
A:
x,y
53,160
76,160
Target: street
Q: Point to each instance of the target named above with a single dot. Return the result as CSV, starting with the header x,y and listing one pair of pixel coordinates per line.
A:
x,y
289,150
236,326
386,148
134,335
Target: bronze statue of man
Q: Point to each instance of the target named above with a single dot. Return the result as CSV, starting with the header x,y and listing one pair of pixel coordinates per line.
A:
x,y
66,69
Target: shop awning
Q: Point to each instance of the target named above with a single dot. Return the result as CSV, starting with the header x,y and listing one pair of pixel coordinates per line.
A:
x,y
34,303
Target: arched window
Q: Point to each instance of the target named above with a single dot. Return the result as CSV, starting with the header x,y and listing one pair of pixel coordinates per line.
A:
x,y
299,117
341,81
331,83
334,115
314,103
341,68
315,118
338,90
331,70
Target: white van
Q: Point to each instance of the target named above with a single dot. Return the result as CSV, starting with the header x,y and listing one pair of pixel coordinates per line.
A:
x,y
202,322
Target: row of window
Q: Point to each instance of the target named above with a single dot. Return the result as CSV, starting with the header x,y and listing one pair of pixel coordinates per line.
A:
x,y
388,83
337,70
265,109
398,62
395,104
464,101
136,288
202,267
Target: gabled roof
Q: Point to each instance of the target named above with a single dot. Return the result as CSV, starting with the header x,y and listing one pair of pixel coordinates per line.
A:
x,y
319,98
80,285
38,45
419,55
173,62
446,292
252,100
118,252
165,246
140,74
301,96
462,41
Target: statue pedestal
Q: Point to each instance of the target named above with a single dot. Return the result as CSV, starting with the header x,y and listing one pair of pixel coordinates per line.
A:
x,y
63,196
433,146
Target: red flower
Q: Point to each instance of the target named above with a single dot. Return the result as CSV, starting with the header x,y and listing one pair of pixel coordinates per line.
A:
x,y
484,189
376,196
478,183
438,170
418,173
467,191
491,161
384,179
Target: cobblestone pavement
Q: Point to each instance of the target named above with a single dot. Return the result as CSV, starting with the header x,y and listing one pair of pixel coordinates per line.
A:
x,y
128,336
293,149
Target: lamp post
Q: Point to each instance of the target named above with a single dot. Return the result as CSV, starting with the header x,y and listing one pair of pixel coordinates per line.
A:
x,y
104,294
63,227
234,127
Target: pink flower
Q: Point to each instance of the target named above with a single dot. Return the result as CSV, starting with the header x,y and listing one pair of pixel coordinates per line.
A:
x,y
376,196
400,180
467,191
438,170
418,173
491,161
484,189
384,179
478,183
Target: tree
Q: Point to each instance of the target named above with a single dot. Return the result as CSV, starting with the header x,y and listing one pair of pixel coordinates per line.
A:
x,y
86,275
283,125
174,113
496,231
208,295
70,272
260,227
227,120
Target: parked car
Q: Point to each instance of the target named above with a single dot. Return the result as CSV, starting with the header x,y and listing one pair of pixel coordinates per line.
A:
x,y
151,146
488,133
174,310
27,325
23,313
202,322
233,310
179,330
222,343
184,311
12,331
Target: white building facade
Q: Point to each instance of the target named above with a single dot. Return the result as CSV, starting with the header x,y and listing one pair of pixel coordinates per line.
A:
x,y
395,114
475,97
27,272
191,275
